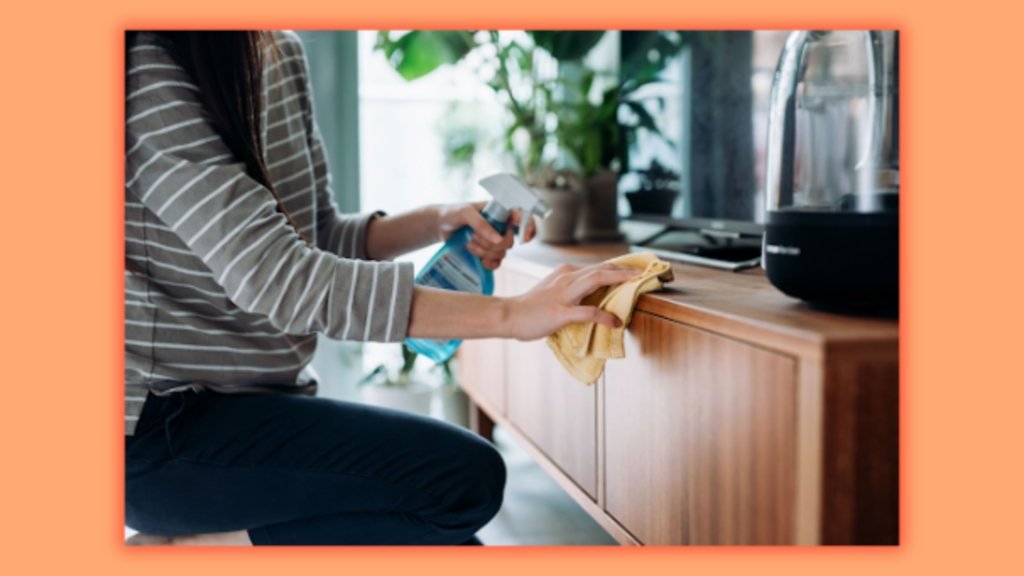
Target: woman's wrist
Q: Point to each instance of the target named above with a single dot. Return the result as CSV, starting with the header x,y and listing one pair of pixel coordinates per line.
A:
x,y
391,236
431,224
505,316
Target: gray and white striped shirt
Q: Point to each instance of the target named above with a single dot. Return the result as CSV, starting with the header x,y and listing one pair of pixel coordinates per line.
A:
x,y
223,294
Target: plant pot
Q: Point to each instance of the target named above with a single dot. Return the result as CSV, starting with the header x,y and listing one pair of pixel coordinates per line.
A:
x,y
415,398
599,218
560,225
456,405
658,202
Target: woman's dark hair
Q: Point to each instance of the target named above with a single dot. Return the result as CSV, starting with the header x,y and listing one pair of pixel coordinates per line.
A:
x,y
228,69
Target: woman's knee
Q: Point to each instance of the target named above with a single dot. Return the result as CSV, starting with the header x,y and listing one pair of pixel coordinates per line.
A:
x,y
491,472
481,483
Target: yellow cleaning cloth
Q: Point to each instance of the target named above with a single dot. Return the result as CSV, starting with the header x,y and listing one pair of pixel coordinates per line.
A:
x,y
583,347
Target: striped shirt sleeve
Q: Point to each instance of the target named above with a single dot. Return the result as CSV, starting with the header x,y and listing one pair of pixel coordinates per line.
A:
x,y
232,223
338,233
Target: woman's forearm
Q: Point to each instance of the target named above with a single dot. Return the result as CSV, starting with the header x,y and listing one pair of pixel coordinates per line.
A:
x,y
553,303
446,314
391,236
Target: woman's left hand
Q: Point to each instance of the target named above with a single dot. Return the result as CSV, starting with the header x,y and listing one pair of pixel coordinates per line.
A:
x,y
487,244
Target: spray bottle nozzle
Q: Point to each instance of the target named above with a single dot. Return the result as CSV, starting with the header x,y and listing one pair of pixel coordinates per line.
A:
x,y
510,193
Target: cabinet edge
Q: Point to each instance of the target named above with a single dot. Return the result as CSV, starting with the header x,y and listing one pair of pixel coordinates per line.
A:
x,y
614,529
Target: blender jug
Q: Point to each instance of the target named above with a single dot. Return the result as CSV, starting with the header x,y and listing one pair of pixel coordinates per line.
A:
x,y
832,170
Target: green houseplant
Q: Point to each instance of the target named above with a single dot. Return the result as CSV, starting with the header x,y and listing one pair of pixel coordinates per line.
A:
x,y
526,87
645,56
589,132
716,120
597,131
514,74
599,128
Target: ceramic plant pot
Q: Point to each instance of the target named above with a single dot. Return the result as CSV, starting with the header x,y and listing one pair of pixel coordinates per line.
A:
x,y
658,202
560,226
415,398
599,218
456,405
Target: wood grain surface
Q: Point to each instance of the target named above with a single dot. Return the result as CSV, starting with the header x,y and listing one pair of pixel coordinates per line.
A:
x,y
481,370
860,454
556,412
741,305
569,485
700,438
740,415
481,363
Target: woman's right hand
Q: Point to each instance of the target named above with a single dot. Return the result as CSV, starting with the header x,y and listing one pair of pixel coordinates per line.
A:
x,y
555,302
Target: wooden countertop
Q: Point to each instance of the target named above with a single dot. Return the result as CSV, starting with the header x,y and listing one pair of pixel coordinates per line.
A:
x,y
743,305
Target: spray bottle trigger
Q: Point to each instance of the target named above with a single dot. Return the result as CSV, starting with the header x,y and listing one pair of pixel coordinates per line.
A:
x,y
520,230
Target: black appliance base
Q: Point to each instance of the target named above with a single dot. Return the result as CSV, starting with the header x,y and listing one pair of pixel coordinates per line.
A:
x,y
836,261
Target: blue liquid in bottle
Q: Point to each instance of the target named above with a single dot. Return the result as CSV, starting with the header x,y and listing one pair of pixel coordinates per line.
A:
x,y
454,268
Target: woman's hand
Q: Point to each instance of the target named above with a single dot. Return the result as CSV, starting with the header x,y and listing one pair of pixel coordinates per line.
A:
x,y
487,244
555,302
393,236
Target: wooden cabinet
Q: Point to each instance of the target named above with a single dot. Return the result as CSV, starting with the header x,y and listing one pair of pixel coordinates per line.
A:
x,y
699,438
556,413
482,371
739,415
481,364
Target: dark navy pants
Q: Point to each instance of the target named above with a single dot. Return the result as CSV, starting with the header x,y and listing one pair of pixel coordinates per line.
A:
x,y
298,470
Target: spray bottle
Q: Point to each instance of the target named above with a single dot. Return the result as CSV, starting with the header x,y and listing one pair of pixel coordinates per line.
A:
x,y
455,268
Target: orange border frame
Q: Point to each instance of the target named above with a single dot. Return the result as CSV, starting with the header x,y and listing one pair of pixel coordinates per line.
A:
x,y
961,387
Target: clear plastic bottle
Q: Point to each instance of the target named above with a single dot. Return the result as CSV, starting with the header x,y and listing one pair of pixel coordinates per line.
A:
x,y
455,268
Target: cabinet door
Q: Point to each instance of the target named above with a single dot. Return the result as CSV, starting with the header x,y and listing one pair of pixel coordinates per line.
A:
x,y
557,413
481,364
699,438
482,371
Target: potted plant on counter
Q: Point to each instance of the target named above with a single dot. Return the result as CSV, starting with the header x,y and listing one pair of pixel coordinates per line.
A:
x,y
402,392
659,188
563,192
590,133
523,72
600,117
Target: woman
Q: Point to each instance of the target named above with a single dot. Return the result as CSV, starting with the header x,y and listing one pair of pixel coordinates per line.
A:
x,y
236,257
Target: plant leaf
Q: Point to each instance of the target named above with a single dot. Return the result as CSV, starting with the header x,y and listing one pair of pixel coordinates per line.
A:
x,y
420,52
639,46
373,374
408,359
646,120
566,44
